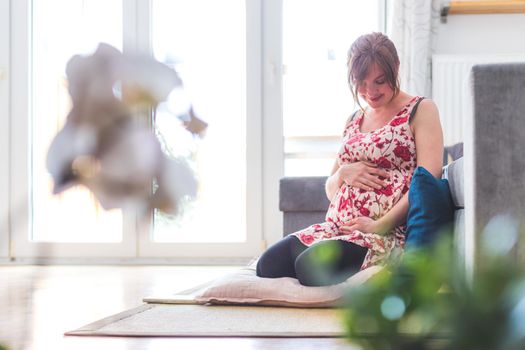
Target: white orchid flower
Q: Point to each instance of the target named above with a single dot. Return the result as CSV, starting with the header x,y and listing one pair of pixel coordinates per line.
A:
x,y
105,145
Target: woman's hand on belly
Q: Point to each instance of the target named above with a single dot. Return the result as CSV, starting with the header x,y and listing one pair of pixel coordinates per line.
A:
x,y
364,175
363,224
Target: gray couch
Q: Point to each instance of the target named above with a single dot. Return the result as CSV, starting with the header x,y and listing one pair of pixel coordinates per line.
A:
x,y
493,166
494,153
303,201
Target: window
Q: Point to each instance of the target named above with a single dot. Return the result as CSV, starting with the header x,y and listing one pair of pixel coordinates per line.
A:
x,y
59,30
316,98
211,59
230,58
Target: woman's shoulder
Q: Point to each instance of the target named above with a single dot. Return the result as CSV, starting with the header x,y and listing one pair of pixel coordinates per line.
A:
x,y
417,100
425,116
427,106
423,106
427,103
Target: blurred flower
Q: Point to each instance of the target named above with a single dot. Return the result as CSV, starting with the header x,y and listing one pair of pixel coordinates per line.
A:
x,y
107,143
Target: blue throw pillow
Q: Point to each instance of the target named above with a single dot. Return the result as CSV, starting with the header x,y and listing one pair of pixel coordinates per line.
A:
x,y
431,209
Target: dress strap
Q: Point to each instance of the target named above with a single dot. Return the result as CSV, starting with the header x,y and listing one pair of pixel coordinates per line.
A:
x,y
352,117
414,109
349,123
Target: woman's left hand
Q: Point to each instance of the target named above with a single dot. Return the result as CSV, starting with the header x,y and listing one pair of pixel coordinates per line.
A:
x,y
363,224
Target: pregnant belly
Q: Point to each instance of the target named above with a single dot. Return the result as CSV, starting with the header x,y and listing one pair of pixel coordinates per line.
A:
x,y
350,202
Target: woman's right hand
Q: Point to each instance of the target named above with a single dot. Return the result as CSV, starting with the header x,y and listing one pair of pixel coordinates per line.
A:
x,y
362,174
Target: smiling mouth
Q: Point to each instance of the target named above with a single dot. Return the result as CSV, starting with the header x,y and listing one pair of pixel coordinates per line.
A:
x,y
375,99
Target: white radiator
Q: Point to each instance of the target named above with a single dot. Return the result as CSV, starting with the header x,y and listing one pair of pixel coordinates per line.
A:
x,y
451,89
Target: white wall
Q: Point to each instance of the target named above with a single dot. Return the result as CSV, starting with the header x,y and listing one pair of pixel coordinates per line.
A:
x,y
476,39
481,34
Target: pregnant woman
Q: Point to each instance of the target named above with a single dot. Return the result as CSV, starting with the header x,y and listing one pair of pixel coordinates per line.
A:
x,y
382,145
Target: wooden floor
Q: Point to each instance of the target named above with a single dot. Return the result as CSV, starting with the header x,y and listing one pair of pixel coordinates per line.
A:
x,y
39,303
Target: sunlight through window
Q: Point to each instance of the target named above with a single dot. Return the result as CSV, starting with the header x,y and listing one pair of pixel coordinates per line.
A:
x,y
60,29
316,99
205,41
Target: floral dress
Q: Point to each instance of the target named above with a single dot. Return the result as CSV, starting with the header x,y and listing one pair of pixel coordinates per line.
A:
x,y
391,147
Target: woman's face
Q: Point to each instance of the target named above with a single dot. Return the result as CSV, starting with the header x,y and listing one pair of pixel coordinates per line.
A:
x,y
374,89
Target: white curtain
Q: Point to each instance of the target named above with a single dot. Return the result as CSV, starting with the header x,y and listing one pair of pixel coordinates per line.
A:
x,y
413,29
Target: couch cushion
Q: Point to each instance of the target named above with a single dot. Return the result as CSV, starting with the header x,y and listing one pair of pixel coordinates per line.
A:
x,y
454,174
303,194
430,208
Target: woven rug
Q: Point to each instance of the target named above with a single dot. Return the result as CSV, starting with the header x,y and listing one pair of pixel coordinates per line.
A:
x,y
186,320
183,317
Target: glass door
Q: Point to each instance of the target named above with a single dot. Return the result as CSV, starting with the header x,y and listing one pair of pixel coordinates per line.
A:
x,y
74,215
45,35
205,41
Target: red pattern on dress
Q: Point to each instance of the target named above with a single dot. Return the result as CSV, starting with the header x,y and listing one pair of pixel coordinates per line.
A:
x,y
392,147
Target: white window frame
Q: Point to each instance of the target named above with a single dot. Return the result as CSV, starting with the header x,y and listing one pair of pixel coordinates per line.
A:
x,y
4,128
272,126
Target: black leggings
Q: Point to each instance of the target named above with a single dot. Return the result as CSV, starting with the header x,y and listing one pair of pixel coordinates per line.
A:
x,y
324,263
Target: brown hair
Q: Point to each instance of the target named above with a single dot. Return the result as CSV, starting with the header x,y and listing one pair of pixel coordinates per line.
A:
x,y
367,50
